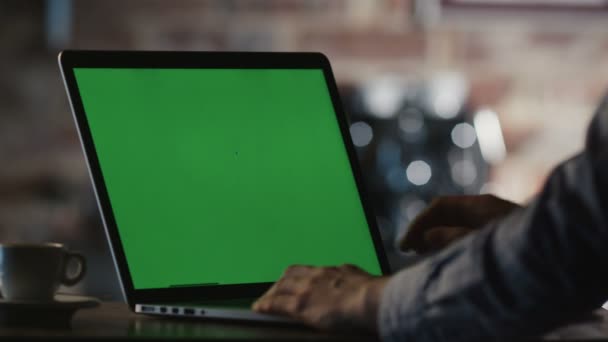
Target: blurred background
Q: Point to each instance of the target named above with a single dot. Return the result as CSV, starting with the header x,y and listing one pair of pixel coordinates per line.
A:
x,y
443,97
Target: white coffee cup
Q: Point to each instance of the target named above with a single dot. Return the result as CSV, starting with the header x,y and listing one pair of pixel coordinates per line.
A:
x,y
33,272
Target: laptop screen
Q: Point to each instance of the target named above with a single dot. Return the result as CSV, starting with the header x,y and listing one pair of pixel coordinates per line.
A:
x,y
224,176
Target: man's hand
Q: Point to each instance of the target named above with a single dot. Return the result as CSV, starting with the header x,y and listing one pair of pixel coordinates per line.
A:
x,y
449,218
343,298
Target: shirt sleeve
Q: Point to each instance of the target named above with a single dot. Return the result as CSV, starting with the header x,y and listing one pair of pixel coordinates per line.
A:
x,y
529,272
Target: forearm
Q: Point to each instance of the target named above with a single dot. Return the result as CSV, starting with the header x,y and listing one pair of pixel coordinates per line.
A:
x,y
474,292
520,276
440,299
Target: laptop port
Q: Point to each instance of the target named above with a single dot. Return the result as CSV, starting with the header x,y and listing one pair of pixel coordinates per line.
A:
x,y
147,308
188,311
175,311
163,309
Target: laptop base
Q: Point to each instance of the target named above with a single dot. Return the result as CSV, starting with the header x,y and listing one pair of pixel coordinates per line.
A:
x,y
215,312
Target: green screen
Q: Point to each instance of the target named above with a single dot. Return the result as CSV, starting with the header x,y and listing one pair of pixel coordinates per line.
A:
x,y
224,176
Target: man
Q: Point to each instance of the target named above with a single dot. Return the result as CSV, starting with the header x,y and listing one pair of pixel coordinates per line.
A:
x,y
526,269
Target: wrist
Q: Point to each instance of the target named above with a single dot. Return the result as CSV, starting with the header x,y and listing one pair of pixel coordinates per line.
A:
x,y
371,298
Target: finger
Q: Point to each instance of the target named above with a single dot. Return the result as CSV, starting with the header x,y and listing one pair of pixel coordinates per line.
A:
x,y
352,268
279,304
438,237
349,267
291,285
428,217
291,271
297,270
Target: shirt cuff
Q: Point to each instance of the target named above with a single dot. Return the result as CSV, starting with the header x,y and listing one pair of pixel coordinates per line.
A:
x,y
401,299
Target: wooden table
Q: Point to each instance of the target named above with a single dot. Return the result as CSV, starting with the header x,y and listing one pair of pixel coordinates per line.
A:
x,y
115,321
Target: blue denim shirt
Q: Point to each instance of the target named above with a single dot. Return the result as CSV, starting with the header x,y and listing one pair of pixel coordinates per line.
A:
x,y
519,276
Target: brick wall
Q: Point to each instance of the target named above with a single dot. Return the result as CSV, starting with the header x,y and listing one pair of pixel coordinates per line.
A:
x,y
542,71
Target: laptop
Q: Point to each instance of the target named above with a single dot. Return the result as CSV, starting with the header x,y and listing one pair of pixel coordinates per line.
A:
x,y
214,171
